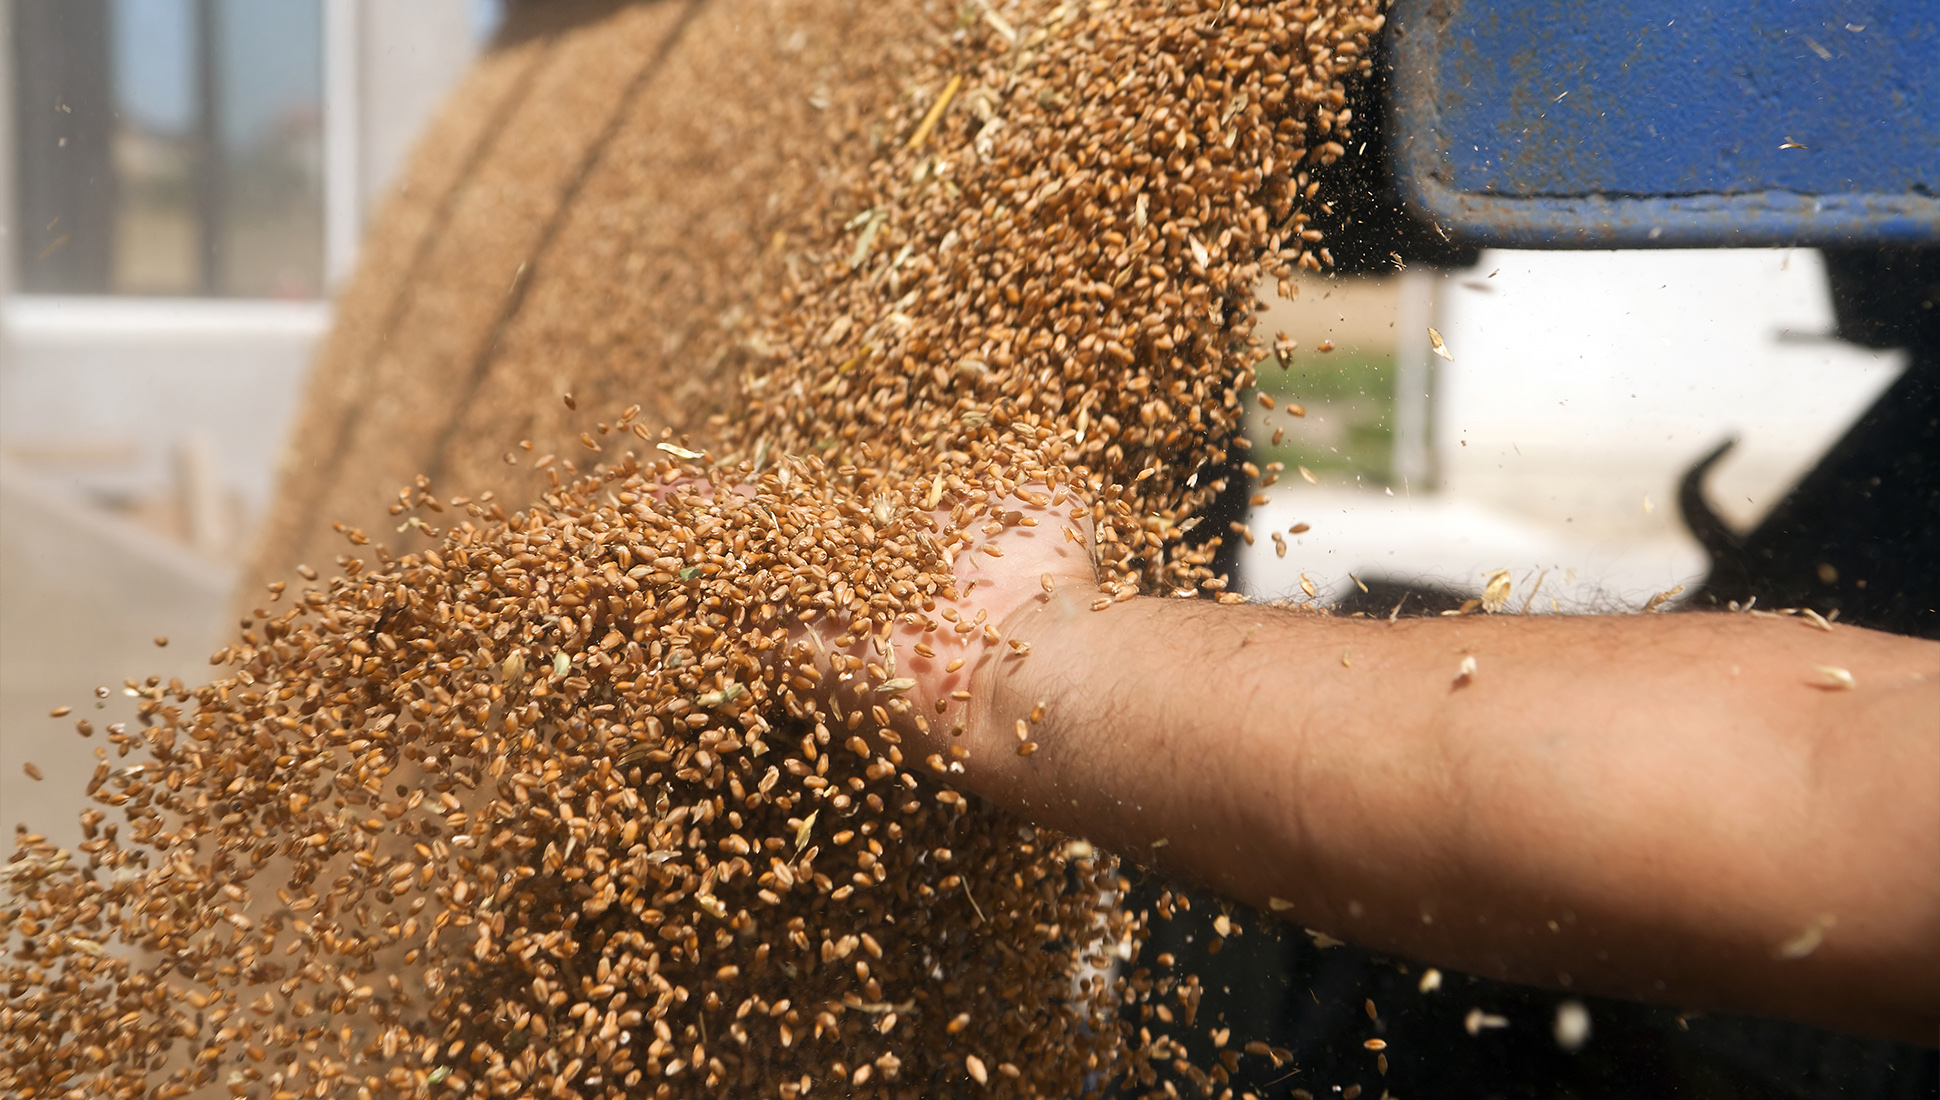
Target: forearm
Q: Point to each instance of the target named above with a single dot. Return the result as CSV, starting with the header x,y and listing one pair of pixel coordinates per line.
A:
x,y
1604,803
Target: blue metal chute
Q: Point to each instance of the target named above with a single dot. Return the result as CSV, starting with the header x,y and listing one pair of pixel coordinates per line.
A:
x,y
1533,124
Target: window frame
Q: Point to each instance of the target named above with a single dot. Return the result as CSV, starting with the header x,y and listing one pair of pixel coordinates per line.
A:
x,y
343,209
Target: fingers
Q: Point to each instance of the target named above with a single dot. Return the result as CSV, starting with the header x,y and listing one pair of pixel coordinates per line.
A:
x,y
912,675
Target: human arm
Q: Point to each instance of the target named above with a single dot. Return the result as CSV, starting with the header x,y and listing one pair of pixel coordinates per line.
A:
x,y
1657,806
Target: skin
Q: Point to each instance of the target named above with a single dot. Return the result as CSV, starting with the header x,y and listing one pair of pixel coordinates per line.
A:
x,y
1731,812
1676,808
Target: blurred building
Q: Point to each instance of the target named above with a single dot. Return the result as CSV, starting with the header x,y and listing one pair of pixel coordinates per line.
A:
x,y
182,183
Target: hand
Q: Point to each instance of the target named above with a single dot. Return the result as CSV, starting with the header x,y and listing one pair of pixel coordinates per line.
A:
x,y
1007,561
932,675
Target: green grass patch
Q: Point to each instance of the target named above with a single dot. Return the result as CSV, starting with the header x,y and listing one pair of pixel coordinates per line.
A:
x,y
1355,395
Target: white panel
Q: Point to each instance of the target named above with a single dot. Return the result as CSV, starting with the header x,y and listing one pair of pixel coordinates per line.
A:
x,y
1584,381
1582,386
413,52
343,194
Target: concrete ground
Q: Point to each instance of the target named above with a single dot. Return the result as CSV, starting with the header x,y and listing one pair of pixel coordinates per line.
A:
x,y
85,594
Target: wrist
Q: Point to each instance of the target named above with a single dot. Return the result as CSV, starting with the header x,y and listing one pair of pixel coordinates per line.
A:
x,y
1025,686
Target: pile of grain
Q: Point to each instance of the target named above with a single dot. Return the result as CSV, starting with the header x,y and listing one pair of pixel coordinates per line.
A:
x,y
554,804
